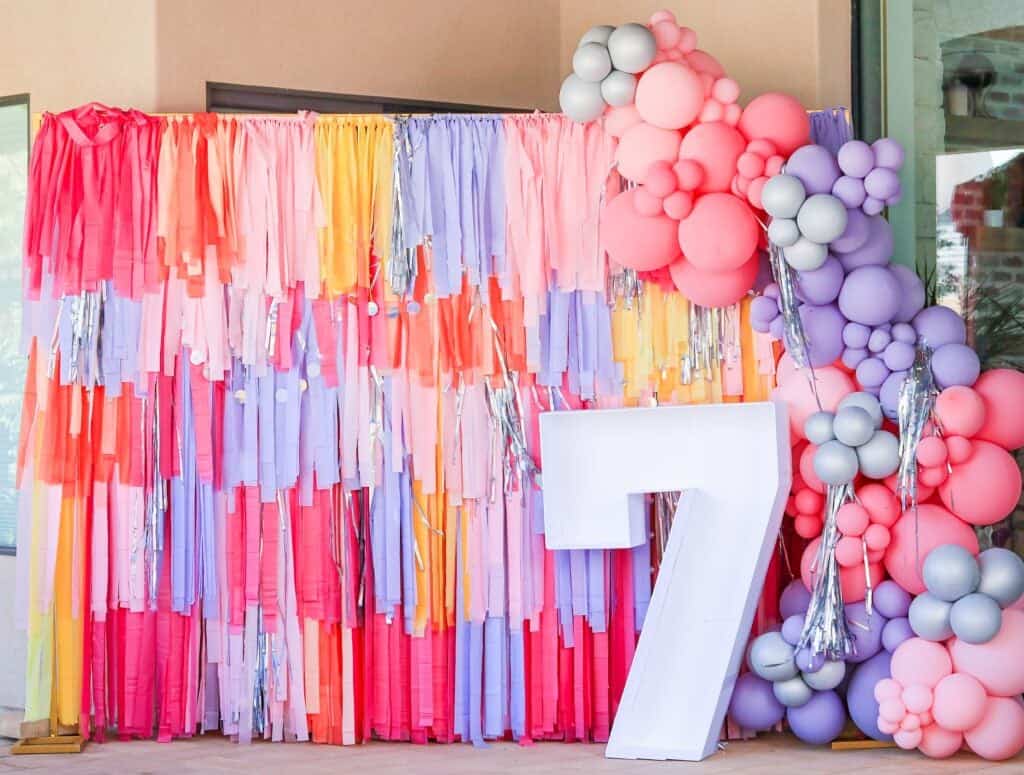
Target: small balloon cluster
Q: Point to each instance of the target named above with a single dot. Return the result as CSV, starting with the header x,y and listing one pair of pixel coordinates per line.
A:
x,y
959,680
870,178
699,159
851,441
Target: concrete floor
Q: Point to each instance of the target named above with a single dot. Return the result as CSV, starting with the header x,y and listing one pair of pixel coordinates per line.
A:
x,y
768,755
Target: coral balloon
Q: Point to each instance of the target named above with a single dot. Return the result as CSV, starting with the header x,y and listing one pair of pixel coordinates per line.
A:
x,y
880,502
703,62
985,488
806,467
720,233
996,664
777,117
850,579
644,243
717,147
959,702
916,534
669,95
920,661
1000,733
960,410
1001,390
714,289
833,386
641,146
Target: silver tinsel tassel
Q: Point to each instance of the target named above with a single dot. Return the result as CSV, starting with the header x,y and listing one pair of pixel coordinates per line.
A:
x,y
401,264
916,401
793,336
712,341
825,628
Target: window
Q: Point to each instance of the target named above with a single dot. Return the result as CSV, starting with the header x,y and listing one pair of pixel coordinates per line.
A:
x,y
14,142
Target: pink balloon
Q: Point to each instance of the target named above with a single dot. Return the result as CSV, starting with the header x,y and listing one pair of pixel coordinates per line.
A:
x,y
848,551
807,526
850,579
678,205
852,519
687,40
618,120
641,146
645,202
720,233
907,739
777,117
959,702
1001,390
807,473
959,449
726,91
832,383
717,147
636,241
960,410
920,661
1000,733
931,451
997,664
877,538
661,179
880,502
703,62
917,698
714,289
666,33
939,743
914,535
669,95
986,487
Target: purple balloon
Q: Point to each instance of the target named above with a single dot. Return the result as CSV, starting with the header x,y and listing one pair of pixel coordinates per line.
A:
x,y
823,327
856,335
889,394
872,206
854,356
860,694
898,356
763,310
879,339
940,325
808,661
816,168
794,599
821,285
792,627
870,295
858,229
904,332
753,705
771,290
866,631
777,327
876,249
882,183
955,364
849,191
891,600
820,720
856,158
871,373
888,153
912,291
895,632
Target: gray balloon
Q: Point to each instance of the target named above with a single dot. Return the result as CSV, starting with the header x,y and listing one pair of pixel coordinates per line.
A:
x,y
805,255
853,426
929,617
792,693
818,428
879,456
783,232
618,88
782,196
591,62
772,658
1002,575
828,677
976,618
865,401
598,34
950,572
822,218
835,463
580,100
632,48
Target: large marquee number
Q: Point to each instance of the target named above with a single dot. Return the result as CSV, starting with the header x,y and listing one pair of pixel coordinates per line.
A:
x,y
732,462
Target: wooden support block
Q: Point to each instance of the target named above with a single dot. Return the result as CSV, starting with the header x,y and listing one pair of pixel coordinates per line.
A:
x,y
49,744
40,728
860,745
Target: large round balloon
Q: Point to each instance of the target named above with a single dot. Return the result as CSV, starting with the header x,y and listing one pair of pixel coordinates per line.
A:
x,y
632,47
860,695
940,325
912,296
820,720
715,146
669,95
915,534
796,392
580,100
714,289
823,329
640,242
720,234
875,250
870,295
1001,391
777,117
753,705
997,664
641,146
816,168
986,487
1000,733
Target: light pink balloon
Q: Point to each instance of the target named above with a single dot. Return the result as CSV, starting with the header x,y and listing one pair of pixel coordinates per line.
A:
x,y
998,664
959,702
920,661
641,146
917,698
915,534
907,740
1000,733
669,95
795,391
618,120
717,147
939,743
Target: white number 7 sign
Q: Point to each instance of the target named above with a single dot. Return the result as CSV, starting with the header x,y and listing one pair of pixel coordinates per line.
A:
x,y
733,463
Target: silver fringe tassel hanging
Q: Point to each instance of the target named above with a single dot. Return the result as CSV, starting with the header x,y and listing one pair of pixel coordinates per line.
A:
x,y
825,629
401,264
712,340
915,404
793,336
